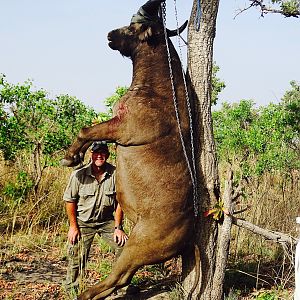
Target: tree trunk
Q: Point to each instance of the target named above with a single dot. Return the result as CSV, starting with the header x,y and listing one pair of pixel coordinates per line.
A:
x,y
200,58
37,166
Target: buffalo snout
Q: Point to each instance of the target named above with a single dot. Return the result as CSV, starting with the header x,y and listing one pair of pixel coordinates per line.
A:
x,y
116,38
122,40
111,38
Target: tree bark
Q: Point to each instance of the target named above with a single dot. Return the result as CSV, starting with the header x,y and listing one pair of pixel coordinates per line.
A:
x,y
37,166
200,59
224,236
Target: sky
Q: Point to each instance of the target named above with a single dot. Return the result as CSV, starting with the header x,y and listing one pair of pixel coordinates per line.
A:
x,y
62,46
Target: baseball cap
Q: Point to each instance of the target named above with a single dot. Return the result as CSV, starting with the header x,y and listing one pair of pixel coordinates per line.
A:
x,y
99,145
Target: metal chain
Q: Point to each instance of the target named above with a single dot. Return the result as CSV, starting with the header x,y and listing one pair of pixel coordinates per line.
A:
x,y
191,171
188,102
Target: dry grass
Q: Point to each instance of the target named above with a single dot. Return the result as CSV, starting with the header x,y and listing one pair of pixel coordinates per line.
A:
x,y
273,204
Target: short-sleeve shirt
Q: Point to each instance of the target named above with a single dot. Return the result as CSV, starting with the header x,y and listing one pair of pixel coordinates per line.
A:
x,y
95,200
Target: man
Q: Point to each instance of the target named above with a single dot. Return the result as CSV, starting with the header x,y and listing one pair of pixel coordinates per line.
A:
x,y
92,209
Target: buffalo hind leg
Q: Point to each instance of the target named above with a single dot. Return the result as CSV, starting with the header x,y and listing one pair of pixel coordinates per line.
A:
x,y
119,277
142,248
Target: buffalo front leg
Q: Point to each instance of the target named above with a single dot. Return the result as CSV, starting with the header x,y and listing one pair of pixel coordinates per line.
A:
x,y
103,131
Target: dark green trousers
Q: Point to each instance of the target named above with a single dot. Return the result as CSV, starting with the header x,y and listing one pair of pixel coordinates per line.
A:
x,y
79,252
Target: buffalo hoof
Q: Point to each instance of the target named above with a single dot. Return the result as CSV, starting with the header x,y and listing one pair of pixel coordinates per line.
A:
x,y
67,163
71,162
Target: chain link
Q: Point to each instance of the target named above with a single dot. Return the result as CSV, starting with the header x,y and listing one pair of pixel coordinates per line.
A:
x,y
191,171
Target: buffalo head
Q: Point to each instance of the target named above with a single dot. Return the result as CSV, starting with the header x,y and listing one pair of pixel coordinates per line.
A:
x,y
146,26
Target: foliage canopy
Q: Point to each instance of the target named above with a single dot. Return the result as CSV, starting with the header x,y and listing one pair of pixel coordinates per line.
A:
x,y
29,119
260,139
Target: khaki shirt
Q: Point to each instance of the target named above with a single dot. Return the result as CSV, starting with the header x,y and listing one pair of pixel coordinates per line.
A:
x,y
95,200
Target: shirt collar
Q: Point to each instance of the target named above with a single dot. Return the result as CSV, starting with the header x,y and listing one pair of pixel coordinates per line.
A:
x,y
108,170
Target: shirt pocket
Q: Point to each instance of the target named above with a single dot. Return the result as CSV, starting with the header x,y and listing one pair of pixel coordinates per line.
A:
x,y
87,194
109,198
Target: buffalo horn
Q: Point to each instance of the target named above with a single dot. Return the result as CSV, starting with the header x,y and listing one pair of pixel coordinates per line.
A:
x,y
180,29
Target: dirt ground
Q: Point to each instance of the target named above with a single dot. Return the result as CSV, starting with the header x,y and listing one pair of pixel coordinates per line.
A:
x,y
28,275
39,275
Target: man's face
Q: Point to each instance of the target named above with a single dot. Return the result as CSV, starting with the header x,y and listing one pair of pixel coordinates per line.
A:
x,y
99,157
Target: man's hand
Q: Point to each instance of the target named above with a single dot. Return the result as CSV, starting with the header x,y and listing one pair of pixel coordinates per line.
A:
x,y
73,234
120,237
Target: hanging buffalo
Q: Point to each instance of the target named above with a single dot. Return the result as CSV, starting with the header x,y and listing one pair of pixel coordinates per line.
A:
x,y
153,181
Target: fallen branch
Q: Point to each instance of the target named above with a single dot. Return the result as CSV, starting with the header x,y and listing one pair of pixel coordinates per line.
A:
x,y
287,242
275,236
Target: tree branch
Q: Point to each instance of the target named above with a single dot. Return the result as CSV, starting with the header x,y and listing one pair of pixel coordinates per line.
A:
x,y
241,210
275,236
285,9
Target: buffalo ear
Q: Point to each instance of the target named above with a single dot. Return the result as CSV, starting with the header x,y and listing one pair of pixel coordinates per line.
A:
x,y
146,34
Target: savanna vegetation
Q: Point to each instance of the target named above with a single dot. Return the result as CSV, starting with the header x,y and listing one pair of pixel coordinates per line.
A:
x,y
260,144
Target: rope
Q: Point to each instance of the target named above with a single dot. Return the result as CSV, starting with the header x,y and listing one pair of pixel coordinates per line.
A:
x,y
191,171
198,15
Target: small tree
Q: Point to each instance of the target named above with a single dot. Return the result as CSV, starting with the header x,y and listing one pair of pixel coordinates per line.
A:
x,y
30,122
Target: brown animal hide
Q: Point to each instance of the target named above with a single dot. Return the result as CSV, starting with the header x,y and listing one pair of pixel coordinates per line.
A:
x,y
153,181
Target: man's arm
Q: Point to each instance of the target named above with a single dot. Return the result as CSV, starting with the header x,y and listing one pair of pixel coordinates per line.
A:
x,y
120,236
74,232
